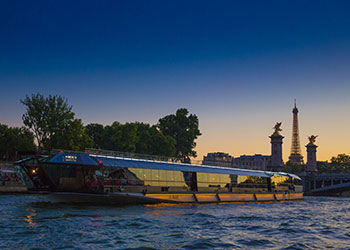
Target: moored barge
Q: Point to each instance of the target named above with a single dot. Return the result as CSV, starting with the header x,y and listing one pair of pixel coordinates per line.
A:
x,y
105,177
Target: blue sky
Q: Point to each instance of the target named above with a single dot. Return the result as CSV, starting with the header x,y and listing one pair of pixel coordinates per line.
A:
x,y
238,65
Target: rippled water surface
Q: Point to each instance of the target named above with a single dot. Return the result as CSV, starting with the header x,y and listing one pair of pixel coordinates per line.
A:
x,y
30,222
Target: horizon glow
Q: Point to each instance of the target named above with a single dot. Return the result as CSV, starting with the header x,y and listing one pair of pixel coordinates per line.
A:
x,y
237,66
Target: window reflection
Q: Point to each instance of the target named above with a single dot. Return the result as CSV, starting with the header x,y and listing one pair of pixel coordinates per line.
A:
x,y
170,178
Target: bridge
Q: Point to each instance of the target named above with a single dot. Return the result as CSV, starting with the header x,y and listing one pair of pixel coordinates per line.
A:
x,y
326,184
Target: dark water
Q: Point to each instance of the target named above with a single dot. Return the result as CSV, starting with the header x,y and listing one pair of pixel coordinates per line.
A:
x,y
28,222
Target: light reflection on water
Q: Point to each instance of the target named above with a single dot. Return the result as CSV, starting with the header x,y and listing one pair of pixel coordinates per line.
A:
x,y
30,222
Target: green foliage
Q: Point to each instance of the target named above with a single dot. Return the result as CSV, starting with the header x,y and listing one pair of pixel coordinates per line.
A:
x,y
131,137
341,159
184,128
52,121
72,137
324,167
293,168
46,117
54,126
338,164
14,141
96,132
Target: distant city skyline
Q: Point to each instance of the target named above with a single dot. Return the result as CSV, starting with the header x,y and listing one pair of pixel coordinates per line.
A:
x,y
238,66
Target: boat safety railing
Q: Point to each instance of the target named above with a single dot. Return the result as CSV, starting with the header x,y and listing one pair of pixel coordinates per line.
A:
x,y
131,155
128,155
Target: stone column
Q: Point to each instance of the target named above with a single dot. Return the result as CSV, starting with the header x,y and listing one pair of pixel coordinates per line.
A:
x,y
311,158
276,153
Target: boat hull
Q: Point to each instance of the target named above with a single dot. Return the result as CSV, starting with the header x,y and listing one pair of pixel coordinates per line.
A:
x,y
139,198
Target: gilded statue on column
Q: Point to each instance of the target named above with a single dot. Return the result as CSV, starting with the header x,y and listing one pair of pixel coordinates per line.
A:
x,y
312,139
277,128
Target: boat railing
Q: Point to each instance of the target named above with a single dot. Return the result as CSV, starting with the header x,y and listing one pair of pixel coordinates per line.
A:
x,y
138,156
128,155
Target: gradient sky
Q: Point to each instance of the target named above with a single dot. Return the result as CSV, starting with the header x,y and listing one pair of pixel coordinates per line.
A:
x,y
238,65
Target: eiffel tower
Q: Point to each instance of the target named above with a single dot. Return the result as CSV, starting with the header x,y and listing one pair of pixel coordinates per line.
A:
x,y
295,152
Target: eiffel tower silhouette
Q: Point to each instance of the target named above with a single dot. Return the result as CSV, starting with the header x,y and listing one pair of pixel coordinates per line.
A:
x,y
295,152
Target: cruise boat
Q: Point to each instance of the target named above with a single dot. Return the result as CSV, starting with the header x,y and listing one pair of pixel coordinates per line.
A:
x,y
107,177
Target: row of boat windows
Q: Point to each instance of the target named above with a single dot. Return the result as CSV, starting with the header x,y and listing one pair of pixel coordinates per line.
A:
x,y
155,177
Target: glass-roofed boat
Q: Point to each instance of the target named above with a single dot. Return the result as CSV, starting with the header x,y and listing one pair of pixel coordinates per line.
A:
x,y
97,176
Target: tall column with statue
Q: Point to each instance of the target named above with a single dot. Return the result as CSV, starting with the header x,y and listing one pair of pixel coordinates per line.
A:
x,y
276,149
311,165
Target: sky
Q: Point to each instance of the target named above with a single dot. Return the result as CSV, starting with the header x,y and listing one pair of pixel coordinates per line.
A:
x,y
237,65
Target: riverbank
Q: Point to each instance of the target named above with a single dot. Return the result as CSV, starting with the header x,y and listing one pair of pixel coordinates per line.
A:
x,y
10,182
13,189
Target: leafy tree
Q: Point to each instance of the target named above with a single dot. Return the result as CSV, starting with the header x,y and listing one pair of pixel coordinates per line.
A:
x,y
323,167
72,137
152,141
340,163
341,159
337,164
294,168
53,123
97,133
14,141
46,117
125,138
144,142
184,128
132,137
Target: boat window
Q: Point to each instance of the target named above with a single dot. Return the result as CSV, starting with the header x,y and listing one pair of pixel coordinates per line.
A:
x,y
122,176
155,177
248,181
281,180
209,179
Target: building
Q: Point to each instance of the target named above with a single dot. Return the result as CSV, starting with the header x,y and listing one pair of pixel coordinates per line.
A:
x,y
218,159
258,161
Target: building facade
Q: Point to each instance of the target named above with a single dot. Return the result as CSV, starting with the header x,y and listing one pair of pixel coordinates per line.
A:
x,y
218,159
257,162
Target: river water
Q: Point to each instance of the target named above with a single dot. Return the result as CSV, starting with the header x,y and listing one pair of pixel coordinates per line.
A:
x,y
30,222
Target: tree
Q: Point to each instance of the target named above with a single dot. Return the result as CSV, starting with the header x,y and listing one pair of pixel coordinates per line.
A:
x,y
134,137
323,167
152,141
53,123
340,163
96,132
341,159
184,128
46,116
14,141
72,137
293,168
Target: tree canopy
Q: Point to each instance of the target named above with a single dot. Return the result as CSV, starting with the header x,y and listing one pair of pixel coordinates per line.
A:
x,y
293,168
52,121
131,137
14,141
338,164
184,128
